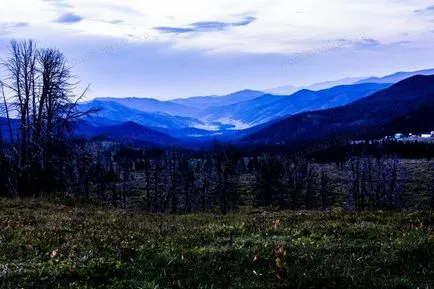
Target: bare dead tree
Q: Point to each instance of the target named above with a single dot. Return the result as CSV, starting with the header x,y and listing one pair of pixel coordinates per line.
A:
x,y
21,69
40,88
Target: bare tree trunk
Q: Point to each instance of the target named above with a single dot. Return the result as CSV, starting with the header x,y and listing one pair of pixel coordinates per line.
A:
x,y
11,137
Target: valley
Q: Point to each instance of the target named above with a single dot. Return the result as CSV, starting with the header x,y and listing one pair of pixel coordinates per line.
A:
x,y
240,117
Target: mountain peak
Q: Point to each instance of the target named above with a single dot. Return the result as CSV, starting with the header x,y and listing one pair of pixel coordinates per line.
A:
x,y
246,91
417,81
130,123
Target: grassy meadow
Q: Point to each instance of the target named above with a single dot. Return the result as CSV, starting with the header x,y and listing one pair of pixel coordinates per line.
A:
x,y
59,245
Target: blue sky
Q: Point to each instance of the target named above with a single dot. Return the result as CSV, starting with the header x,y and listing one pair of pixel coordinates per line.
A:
x,y
168,49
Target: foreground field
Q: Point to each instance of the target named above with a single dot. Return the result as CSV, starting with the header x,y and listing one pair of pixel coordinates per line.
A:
x,y
53,245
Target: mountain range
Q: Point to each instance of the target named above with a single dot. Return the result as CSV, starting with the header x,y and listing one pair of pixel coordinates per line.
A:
x,y
222,112
269,107
128,132
396,77
381,113
153,105
113,112
376,104
204,102
392,78
369,108
289,89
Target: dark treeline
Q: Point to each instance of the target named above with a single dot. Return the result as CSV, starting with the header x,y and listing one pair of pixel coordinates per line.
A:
x,y
407,150
338,150
40,156
223,180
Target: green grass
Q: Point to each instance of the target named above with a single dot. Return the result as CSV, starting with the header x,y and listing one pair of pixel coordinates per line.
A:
x,y
46,245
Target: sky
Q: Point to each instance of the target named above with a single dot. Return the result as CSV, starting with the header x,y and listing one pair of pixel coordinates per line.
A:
x,y
169,48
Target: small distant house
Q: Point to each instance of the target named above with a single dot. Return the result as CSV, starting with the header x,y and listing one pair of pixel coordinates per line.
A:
x,y
398,136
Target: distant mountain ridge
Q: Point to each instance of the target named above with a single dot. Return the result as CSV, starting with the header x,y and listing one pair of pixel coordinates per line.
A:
x,y
289,89
153,105
369,109
375,115
204,102
251,115
269,107
129,132
112,112
392,78
396,77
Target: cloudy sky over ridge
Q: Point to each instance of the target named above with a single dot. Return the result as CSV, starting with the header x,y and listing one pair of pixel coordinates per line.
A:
x,y
170,48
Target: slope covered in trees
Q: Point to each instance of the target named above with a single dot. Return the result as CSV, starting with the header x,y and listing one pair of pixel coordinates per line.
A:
x,y
372,116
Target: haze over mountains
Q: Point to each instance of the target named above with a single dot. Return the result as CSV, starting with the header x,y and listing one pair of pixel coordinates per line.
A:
x,y
131,131
113,112
269,107
289,89
261,117
154,105
204,102
392,78
396,77
376,115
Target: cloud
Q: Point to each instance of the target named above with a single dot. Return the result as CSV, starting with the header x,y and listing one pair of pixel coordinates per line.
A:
x,y
123,9
116,21
227,26
69,18
367,43
246,21
205,26
59,3
173,30
425,11
19,24
11,26
215,25
209,26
